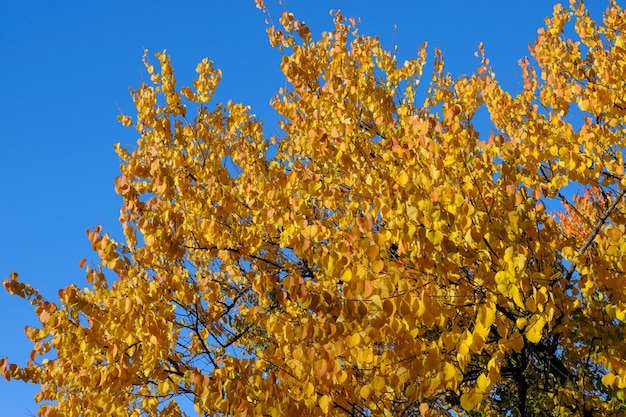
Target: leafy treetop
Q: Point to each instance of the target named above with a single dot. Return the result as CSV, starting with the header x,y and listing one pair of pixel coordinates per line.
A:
x,y
380,256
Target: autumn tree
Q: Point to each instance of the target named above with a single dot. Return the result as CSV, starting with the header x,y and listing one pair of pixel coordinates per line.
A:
x,y
383,255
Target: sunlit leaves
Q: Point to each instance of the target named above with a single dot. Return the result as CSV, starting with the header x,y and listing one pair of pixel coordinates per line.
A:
x,y
382,254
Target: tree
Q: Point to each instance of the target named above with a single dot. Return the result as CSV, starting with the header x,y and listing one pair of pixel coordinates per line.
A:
x,y
383,255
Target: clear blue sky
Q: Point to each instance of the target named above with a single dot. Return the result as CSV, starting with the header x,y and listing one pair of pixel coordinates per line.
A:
x,y
66,68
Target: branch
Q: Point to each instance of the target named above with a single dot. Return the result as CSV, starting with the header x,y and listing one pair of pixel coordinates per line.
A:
x,y
595,231
574,209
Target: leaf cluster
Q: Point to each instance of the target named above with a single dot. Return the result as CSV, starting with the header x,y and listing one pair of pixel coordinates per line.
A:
x,y
382,255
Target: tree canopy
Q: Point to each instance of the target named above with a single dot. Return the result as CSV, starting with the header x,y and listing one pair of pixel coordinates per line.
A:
x,y
385,254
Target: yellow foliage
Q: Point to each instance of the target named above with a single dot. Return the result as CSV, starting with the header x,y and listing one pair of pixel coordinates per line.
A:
x,y
376,257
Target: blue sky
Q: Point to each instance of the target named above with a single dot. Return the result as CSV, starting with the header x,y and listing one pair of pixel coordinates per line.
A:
x,y
65,73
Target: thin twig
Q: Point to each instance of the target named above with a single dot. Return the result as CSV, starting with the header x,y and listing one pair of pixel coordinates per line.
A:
x,y
594,233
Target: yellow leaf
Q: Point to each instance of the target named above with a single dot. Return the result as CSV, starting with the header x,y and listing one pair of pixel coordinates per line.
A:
x,y
378,265
403,178
378,383
354,340
515,294
470,399
321,367
310,231
608,379
377,301
365,392
452,373
324,403
487,315
372,252
389,307
164,387
346,276
340,377
533,333
411,211
483,384
517,342
309,389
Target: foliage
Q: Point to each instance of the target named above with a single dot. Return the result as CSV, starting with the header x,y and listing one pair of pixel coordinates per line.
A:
x,y
383,255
